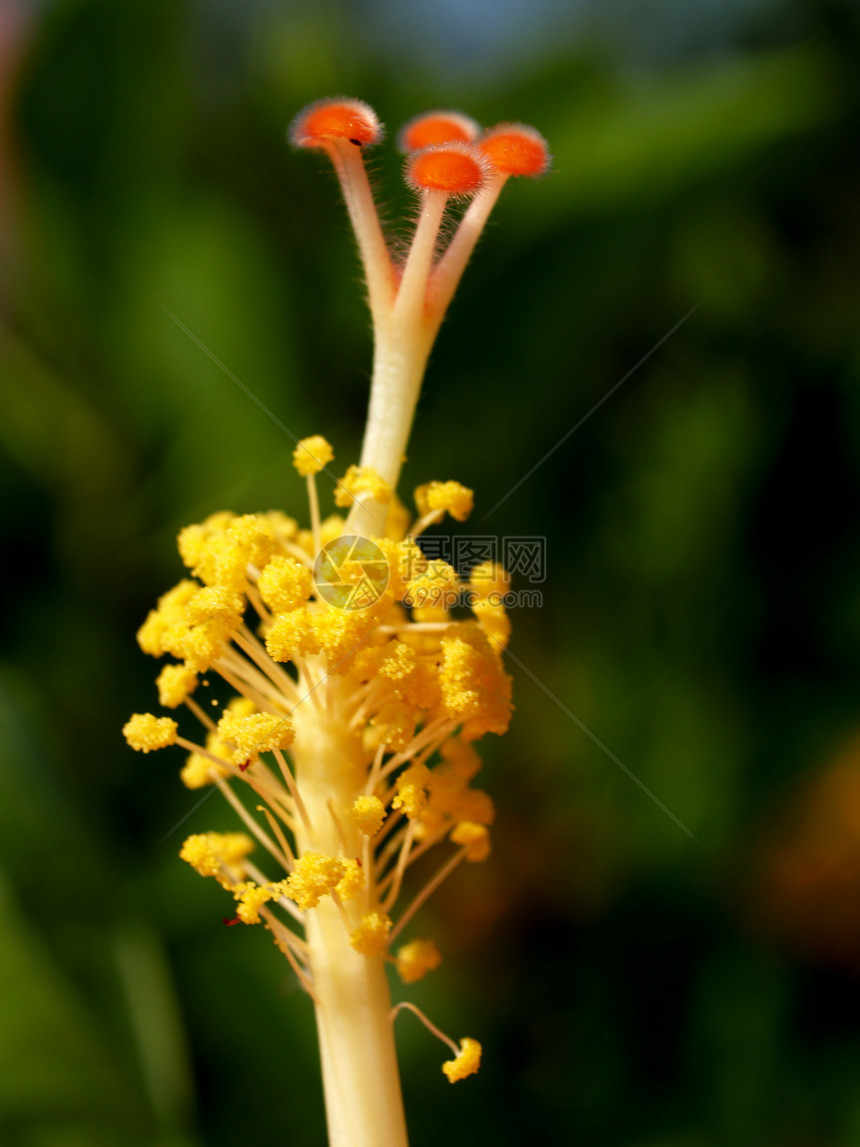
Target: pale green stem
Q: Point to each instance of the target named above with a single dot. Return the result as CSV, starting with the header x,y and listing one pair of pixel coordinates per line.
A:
x,y
364,1106
399,360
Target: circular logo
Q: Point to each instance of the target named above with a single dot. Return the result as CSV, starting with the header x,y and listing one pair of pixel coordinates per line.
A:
x,y
351,572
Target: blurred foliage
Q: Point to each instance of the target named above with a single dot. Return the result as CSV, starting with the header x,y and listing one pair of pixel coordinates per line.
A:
x,y
701,611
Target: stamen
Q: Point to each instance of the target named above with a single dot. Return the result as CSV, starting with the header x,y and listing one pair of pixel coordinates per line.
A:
x,y
289,779
422,524
337,824
257,602
284,935
201,715
279,835
262,836
373,774
247,680
388,849
438,729
402,861
426,892
431,1027
260,878
201,752
248,643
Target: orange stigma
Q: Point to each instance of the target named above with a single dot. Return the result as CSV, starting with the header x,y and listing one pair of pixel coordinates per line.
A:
x,y
326,121
455,168
514,149
437,127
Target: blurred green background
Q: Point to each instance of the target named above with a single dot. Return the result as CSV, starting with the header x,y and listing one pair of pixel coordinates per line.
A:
x,y
701,609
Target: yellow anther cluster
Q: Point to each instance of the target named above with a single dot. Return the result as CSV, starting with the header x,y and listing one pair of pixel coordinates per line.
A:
x,y
210,852
362,482
352,881
192,623
216,603
175,683
315,876
145,732
449,497
169,613
367,814
475,688
252,897
405,560
290,636
393,725
411,793
467,1062
474,837
436,586
371,936
370,647
416,959
312,455
219,551
257,733
285,584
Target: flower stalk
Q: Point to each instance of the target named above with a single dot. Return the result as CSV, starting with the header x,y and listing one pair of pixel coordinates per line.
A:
x,y
357,697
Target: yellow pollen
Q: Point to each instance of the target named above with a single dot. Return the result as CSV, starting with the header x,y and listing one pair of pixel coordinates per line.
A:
x,y
466,1063
352,881
367,814
450,497
175,683
416,959
312,455
371,936
362,482
285,584
257,733
251,898
475,837
315,875
411,793
145,732
206,852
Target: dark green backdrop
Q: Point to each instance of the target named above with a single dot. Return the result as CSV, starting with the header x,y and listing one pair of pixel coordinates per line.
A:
x,y
701,609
